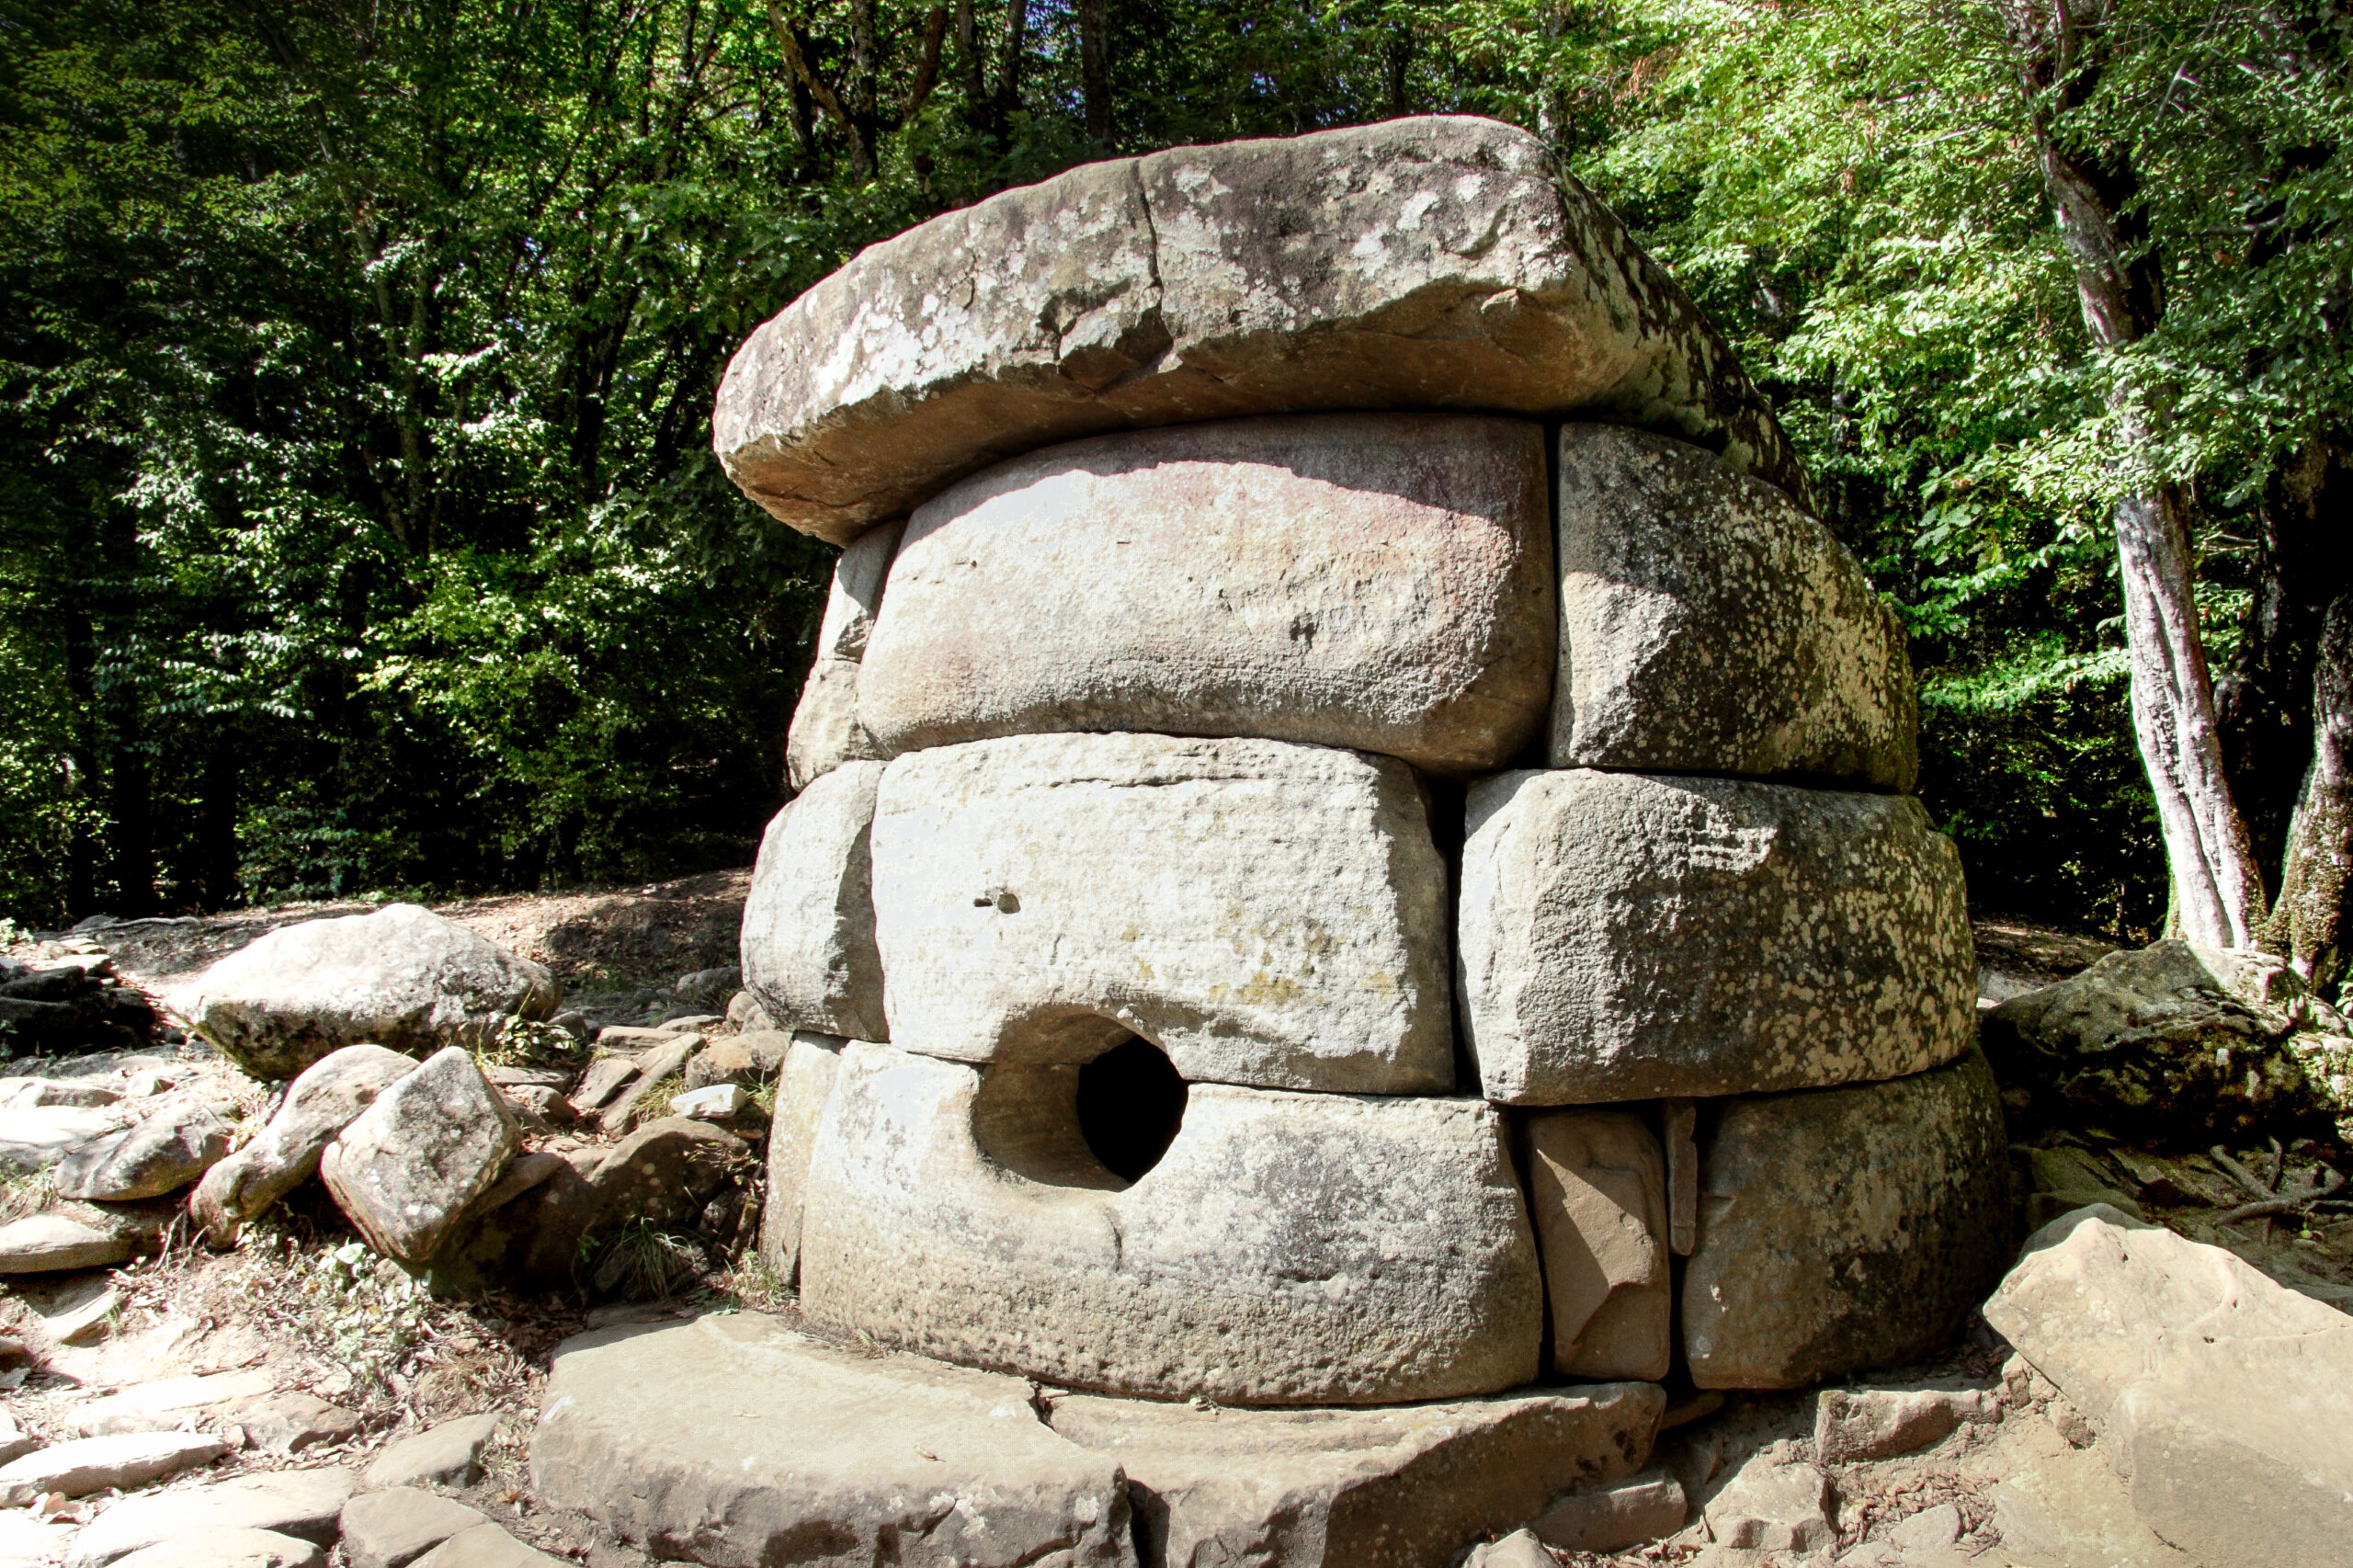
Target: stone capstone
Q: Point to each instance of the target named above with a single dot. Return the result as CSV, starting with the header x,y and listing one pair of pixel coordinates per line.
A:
x,y
1381,582
1265,913
2224,1400
403,977
826,729
328,1096
802,1087
809,940
1596,1185
1441,262
800,1452
1286,1248
1845,1229
1625,935
1403,1487
150,1158
406,1168
1710,625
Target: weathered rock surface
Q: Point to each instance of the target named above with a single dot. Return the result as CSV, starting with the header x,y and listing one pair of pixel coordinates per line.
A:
x,y
1845,1229
1775,1501
1597,1194
403,977
1709,625
445,1455
801,1452
808,946
2068,1510
1441,262
164,1402
93,1464
150,1158
1265,914
1287,1249
659,1071
1609,1517
826,729
34,1138
1382,581
487,1545
750,1059
2177,1042
663,1171
328,1096
1625,936
2226,1401
82,1235
391,1530
1851,1425
802,1087
293,1422
406,1168
303,1504
229,1548
1405,1487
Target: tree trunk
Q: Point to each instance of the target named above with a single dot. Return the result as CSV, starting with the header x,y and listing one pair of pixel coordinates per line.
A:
x,y
1095,70
2309,922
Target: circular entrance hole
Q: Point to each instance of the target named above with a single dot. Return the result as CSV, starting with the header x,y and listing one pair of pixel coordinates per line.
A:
x,y
1131,1103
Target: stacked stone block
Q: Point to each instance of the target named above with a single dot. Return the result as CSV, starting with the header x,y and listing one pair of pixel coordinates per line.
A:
x,y
1353,644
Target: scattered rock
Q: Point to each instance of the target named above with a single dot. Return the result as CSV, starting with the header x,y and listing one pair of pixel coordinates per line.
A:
x,y
1929,1529
606,1077
809,950
797,1442
229,1548
523,1173
304,1503
749,1059
1045,897
408,1165
539,1109
2226,1399
13,1441
705,985
82,1235
657,1073
1626,936
148,1407
1854,1424
403,977
723,1103
2070,1509
445,1455
393,1529
28,1093
93,1464
1597,1194
487,1545
326,1098
826,730
1845,1229
803,1085
506,1077
745,1016
1708,624
664,1172
161,1154
83,1317
293,1422
1775,1501
36,1138
1518,1549
1644,1507
1403,1487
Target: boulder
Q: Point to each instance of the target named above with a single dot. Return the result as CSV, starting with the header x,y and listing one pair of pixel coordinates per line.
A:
x,y
1376,581
391,1530
1287,1249
802,1087
826,729
1436,262
2225,1401
1403,1487
808,944
164,1402
1521,1548
664,1172
1853,1426
2178,1043
34,1138
406,1168
1710,625
1775,1501
1625,936
82,1235
1264,913
749,1059
122,1460
658,1071
605,1078
449,1454
229,1548
1845,1229
801,1451
403,977
326,1098
303,1504
1596,1191
150,1158
1612,1516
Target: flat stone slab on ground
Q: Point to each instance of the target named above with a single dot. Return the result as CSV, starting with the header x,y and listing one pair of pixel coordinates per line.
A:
x,y
1406,1487
445,1455
291,1422
148,1407
487,1545
1613,1515
229,1548
733,1440
160,1154
393,1527
305,1504
122,1460
37,1137
81,1235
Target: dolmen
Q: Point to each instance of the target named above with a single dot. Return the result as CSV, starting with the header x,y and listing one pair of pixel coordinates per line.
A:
x,y
1352,905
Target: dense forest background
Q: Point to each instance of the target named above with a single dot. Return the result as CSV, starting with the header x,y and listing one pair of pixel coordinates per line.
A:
x,y
359,529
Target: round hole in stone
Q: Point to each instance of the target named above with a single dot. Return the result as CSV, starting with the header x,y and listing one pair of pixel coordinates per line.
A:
x,y
1131,1103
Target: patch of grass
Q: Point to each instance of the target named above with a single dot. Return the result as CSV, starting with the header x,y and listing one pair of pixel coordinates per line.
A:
x,y
526,1042
644,1262
24,1193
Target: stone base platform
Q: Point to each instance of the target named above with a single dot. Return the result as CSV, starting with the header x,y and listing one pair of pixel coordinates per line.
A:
x,y
735,1441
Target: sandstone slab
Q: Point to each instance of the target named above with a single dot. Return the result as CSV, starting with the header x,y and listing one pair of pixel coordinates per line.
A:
x,y
403,977
162,1153
1432,262
1609,1517
82,1235
1851,1425
1710,625
1381,582
406,1168
1597,1194
804,1453
84,1465
1625,935
487,1545
293,1422
809,943
323,1099
2225,1400
804,1084
1286,1248
304,1503
33,1138
1775,1501
1845,1229
164,1402
449,1454
1265,913
664,1172
1403,1487
826,731
229,1548
751,1059
391,1530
